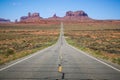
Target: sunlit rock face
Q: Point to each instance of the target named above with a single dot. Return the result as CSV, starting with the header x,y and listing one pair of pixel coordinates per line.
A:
x,y
35,17
77,15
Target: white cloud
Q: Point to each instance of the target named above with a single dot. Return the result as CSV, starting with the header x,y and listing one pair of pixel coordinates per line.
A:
x,y
16,4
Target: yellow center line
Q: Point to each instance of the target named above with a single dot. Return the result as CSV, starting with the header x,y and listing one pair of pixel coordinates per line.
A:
x,y
60,69
60,58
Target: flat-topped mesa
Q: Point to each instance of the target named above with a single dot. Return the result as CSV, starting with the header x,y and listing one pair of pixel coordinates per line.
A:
x,y
35,17
77,15
80,13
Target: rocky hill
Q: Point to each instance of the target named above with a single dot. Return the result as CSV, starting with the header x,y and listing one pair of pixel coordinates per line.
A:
x,y
4,20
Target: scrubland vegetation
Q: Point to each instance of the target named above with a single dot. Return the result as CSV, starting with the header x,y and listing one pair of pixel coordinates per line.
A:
x,y
20,40
99,39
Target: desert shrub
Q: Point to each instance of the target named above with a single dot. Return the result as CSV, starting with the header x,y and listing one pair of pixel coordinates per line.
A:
x,y
9,51
1,51
37,45
97,52
116,60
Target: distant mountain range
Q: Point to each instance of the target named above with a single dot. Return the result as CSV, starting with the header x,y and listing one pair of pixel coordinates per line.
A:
x,y
70,16
79,16
4,20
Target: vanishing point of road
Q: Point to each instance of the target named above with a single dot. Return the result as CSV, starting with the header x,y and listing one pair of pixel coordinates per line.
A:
x,y
59,62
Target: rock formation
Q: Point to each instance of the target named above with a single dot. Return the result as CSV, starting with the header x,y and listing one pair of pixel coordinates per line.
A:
x,y
70,16
54,17
31,18
77,15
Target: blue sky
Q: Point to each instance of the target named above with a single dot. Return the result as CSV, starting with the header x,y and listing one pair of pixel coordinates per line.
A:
x,y
96,9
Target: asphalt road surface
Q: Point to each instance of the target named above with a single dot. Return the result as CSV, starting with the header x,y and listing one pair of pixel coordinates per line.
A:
x,y
59,62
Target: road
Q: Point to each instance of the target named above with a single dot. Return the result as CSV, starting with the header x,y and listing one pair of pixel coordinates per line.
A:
x,y
59,62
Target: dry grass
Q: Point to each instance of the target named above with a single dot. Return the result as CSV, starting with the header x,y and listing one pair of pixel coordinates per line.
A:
x,y
103,42
20,40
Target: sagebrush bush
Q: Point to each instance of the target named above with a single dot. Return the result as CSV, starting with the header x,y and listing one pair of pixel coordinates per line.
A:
x,y
9,51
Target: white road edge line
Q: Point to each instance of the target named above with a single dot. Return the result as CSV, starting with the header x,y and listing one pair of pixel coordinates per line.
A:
x,y
29,56
95,58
